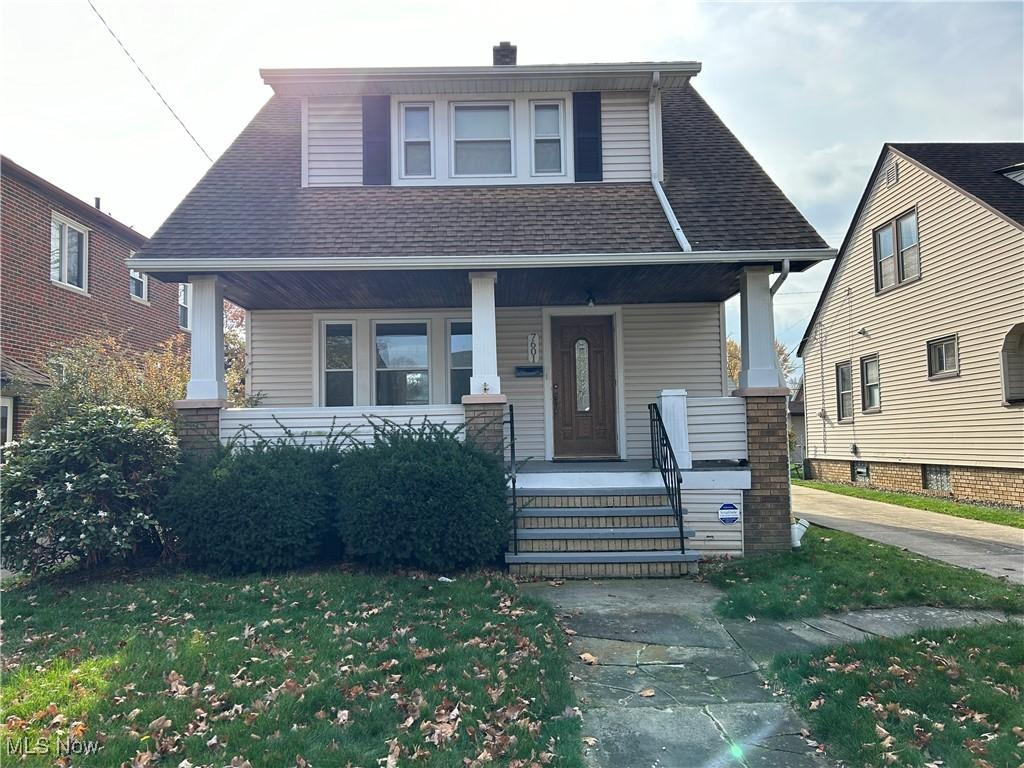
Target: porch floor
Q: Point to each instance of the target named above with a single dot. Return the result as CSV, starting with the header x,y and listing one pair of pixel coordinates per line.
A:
x,y
565,465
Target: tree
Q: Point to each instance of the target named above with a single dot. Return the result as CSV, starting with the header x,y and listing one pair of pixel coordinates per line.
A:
x,y
733,355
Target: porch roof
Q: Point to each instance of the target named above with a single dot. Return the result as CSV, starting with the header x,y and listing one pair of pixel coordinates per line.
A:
x,y
447,288
251,205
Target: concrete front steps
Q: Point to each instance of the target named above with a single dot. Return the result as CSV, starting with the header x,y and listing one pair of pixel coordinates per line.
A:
x,y
574,533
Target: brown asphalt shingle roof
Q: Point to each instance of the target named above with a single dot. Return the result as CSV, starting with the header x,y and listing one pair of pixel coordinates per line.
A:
x,y
251,204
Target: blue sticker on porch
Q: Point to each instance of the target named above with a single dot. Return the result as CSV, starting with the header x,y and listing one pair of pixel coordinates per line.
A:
x,y
728,514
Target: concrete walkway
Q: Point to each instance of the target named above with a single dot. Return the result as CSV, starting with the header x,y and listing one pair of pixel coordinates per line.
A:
x,y
996,550
671,685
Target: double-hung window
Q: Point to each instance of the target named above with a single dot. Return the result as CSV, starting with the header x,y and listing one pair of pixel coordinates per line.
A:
x,y
402,363
138,283
943,357
185,306
417,141
870,384
460,359
69,252
844,390
897,252
339,370
546,124
482,139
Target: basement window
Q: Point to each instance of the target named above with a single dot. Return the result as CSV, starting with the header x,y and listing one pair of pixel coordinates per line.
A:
x,y
860,472
935,477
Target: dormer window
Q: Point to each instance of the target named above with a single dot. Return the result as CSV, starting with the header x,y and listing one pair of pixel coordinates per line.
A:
x,y
548,133
417,141
482,139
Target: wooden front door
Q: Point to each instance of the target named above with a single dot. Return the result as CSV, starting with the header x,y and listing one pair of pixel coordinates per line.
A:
x,y
583,387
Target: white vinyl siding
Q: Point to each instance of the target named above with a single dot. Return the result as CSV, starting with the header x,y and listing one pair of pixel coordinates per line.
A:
x,y
625,136
666,346
971,274
334,141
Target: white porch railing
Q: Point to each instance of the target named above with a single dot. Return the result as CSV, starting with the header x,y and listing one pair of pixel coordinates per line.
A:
x,y
717,428
313,425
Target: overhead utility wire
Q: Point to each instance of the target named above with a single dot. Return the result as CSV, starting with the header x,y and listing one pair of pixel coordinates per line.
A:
x,y
146,78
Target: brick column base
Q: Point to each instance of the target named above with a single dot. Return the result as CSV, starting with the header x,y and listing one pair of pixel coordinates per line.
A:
x,y
767,513
198,425
485,421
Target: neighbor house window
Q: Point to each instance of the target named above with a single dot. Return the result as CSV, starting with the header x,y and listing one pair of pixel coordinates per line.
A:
x,y
482,139
546,125
185,306
897,252
844,390
339,371
460,359
403,363
942,357
936,477
69,252
417,141
6,419
138,283
870,385
1013,365
860,472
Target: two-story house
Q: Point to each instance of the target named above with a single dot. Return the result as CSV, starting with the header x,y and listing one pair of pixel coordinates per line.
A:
x,y
914,357
548,246
63,272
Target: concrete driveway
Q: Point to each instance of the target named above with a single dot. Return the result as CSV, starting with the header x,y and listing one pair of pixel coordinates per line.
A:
x,y
996,550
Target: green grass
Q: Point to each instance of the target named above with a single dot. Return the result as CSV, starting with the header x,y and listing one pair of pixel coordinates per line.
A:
x,y
338,668
835,571
942,697
928,503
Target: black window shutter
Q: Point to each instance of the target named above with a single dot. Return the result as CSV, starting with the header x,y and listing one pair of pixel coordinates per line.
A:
x,y
586,121
376,139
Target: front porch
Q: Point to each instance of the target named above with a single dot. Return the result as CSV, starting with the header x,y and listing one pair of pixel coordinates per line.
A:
x,y
580,378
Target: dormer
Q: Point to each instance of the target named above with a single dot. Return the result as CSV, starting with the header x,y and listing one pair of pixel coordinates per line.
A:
x,y
500,125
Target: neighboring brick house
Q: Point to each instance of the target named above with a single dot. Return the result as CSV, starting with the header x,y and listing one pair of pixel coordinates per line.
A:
x,y
914,358
63,272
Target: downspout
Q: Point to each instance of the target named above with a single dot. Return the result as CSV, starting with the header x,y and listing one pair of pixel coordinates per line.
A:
x,y
654,120
782,277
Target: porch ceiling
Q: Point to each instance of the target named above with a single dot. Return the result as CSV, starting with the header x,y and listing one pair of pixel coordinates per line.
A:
x,y
555,286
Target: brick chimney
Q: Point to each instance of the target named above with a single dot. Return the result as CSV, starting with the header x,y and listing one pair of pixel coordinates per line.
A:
x,y
504,53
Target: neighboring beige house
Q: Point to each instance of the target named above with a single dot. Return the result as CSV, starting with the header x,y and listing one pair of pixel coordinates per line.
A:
x,y
797,428
914,357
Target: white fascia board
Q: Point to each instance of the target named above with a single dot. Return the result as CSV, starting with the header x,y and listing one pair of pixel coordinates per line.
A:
x,y
495,261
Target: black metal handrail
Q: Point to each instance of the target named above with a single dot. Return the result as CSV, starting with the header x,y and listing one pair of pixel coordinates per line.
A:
x,y
663,458
512,477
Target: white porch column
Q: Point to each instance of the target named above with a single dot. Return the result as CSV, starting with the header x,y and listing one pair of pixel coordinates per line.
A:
x,y
207,379
759,363
672,404
485,335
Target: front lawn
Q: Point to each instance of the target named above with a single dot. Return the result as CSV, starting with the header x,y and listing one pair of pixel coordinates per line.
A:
x,y
999,515
835,571
945,698
315,669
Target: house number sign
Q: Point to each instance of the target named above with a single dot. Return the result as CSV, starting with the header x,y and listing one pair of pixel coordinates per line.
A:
x,y
532,348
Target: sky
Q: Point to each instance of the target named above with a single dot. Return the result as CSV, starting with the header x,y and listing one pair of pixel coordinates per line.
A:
x,y
812,89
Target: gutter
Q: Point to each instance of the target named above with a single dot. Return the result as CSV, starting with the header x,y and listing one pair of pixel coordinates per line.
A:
x,y
493,261
654,121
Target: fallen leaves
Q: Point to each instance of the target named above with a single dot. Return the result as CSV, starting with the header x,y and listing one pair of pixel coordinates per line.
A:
x,y
646,693
588,659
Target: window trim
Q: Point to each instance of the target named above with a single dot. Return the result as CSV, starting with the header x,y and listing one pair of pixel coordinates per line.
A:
x,y
321,361
864,408
9,436
452,108
86,237
134,274
892,225
946,374
188,305
839,392
448,367
534,103
402,106
425,321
